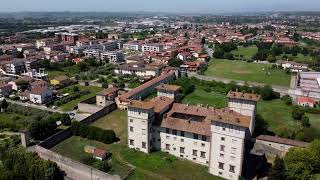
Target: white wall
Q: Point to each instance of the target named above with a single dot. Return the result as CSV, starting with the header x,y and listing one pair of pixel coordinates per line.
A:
x,y
232,138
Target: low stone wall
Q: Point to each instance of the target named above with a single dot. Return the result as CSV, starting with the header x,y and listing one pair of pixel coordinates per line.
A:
x,y
88,108
57,138
89,83
106,110
74,169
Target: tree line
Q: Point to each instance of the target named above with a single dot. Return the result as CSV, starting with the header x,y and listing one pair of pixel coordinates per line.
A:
x,y
93,133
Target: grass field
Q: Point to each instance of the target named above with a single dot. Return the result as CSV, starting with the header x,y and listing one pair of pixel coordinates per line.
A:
x,y
299,58
12,121
117,121
70,105
240,70
246,52
153,166
200,96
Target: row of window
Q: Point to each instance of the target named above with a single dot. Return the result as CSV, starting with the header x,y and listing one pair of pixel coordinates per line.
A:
x,y
182,151
224,139
182,133
233,149
231,167
143,144
230,127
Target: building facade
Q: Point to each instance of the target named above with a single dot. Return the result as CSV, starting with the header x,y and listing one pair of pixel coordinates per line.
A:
x,y
211,137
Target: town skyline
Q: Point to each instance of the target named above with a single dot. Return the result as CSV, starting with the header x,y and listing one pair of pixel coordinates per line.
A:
x,y
178,6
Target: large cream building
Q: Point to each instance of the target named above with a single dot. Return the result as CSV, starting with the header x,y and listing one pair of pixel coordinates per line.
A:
x,y
212,137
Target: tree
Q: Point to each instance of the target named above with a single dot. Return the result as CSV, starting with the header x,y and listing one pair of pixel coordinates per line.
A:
x,y
175,62
203,40
229,56
305,121
297,114
271,58
278,170
4,105
267,93
296,37
83,66
22,84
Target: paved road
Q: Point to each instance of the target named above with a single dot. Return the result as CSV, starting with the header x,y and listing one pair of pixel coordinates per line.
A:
x,y
77,116
281,89
34,106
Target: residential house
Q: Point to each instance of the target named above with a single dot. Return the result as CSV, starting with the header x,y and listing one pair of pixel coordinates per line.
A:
x,y
40,95
5,89
60,81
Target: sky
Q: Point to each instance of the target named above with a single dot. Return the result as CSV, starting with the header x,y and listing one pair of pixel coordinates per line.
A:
x,y
180,6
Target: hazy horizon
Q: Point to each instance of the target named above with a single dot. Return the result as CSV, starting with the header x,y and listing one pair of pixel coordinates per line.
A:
x,y
175,6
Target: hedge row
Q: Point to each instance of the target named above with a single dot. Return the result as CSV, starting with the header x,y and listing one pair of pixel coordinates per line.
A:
x,y
93,133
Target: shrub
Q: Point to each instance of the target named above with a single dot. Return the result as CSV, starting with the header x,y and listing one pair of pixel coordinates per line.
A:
x,y
297,114
287,100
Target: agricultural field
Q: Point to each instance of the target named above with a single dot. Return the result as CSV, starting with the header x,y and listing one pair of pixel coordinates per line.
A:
x,y
245,53
253,72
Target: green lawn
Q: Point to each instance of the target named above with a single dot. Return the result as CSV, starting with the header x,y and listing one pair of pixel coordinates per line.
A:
x,y
53,74
70,105
200,96
240,70
73,148
12,121
246,52
117,121
153,166
299,58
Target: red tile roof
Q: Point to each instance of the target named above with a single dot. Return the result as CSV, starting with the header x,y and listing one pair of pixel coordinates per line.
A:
x,y
280,140
306,100
242,95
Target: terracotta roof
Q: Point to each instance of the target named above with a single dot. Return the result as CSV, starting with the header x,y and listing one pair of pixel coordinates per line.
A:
x,y
99,153
198,120
168,87
157,104
280,140
232,117
38,90
306,100
241,95
128,95
5,85
108,91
